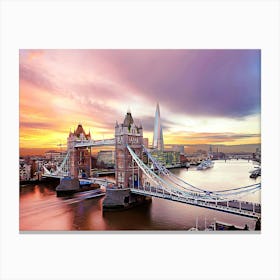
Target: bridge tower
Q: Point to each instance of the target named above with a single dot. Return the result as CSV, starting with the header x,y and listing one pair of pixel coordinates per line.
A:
x,y
127,172
79,158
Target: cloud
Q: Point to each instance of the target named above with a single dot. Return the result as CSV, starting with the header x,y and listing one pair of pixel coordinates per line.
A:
x,y
36,78
37,125
225,135
94,87
194,82
205,137
148,123
190,82
83,102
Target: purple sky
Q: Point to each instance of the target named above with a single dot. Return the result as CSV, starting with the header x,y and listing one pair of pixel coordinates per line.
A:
x,y
196,82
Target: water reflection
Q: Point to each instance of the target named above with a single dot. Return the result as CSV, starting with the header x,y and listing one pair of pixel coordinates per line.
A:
x,y
40,209
87,215
137,218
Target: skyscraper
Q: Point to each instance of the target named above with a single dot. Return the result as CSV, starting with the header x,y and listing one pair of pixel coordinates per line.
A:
x,y
158,137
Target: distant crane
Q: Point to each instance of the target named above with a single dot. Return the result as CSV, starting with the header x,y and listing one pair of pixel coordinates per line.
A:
x,y
61,145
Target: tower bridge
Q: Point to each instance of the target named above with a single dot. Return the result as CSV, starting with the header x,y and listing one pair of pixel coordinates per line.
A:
x,y
134,181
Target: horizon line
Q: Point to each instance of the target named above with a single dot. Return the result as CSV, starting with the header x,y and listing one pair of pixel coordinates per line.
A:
x,y
164,145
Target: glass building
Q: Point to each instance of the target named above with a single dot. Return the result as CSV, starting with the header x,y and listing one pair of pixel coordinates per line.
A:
x,y
158,136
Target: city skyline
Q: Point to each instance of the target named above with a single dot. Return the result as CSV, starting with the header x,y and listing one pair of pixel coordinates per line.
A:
x,y
205,96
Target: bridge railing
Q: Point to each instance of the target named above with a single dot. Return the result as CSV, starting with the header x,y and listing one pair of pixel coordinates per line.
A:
x,y
91,143
237,209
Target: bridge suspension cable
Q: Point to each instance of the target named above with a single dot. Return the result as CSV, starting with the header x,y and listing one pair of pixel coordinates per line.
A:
x,y
163,170
154,177
226,192
165,186
63,168
164,189
64,164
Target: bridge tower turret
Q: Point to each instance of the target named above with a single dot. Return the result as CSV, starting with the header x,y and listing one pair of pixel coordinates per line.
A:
x,y
127,172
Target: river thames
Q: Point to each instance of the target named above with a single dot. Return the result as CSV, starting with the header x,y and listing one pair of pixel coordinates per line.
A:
x,y
42,210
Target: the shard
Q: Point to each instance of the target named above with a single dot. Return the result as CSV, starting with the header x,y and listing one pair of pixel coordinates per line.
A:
x,y
158,137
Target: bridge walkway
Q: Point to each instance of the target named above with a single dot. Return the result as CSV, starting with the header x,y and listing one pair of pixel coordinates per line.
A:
x,y
242,208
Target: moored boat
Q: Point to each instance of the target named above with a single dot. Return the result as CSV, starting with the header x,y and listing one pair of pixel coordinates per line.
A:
x,y
208,163
69,186
255,173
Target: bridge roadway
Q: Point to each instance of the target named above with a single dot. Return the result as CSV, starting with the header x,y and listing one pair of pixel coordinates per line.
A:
x,y
242,208
95,143
53,175
60,176
103,182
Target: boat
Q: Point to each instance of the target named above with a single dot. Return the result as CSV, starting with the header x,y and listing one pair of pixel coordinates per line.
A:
x,y
255,173
69,186
211,227
196,226
220,226
84,183
193,229
205,164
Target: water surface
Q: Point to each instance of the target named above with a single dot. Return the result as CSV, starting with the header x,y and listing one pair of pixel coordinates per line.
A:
x,y
40,209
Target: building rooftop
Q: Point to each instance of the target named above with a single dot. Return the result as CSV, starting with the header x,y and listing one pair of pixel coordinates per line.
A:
x,y
51,151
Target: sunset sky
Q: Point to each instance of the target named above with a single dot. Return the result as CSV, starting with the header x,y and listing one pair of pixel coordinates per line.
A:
x,y
205,96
